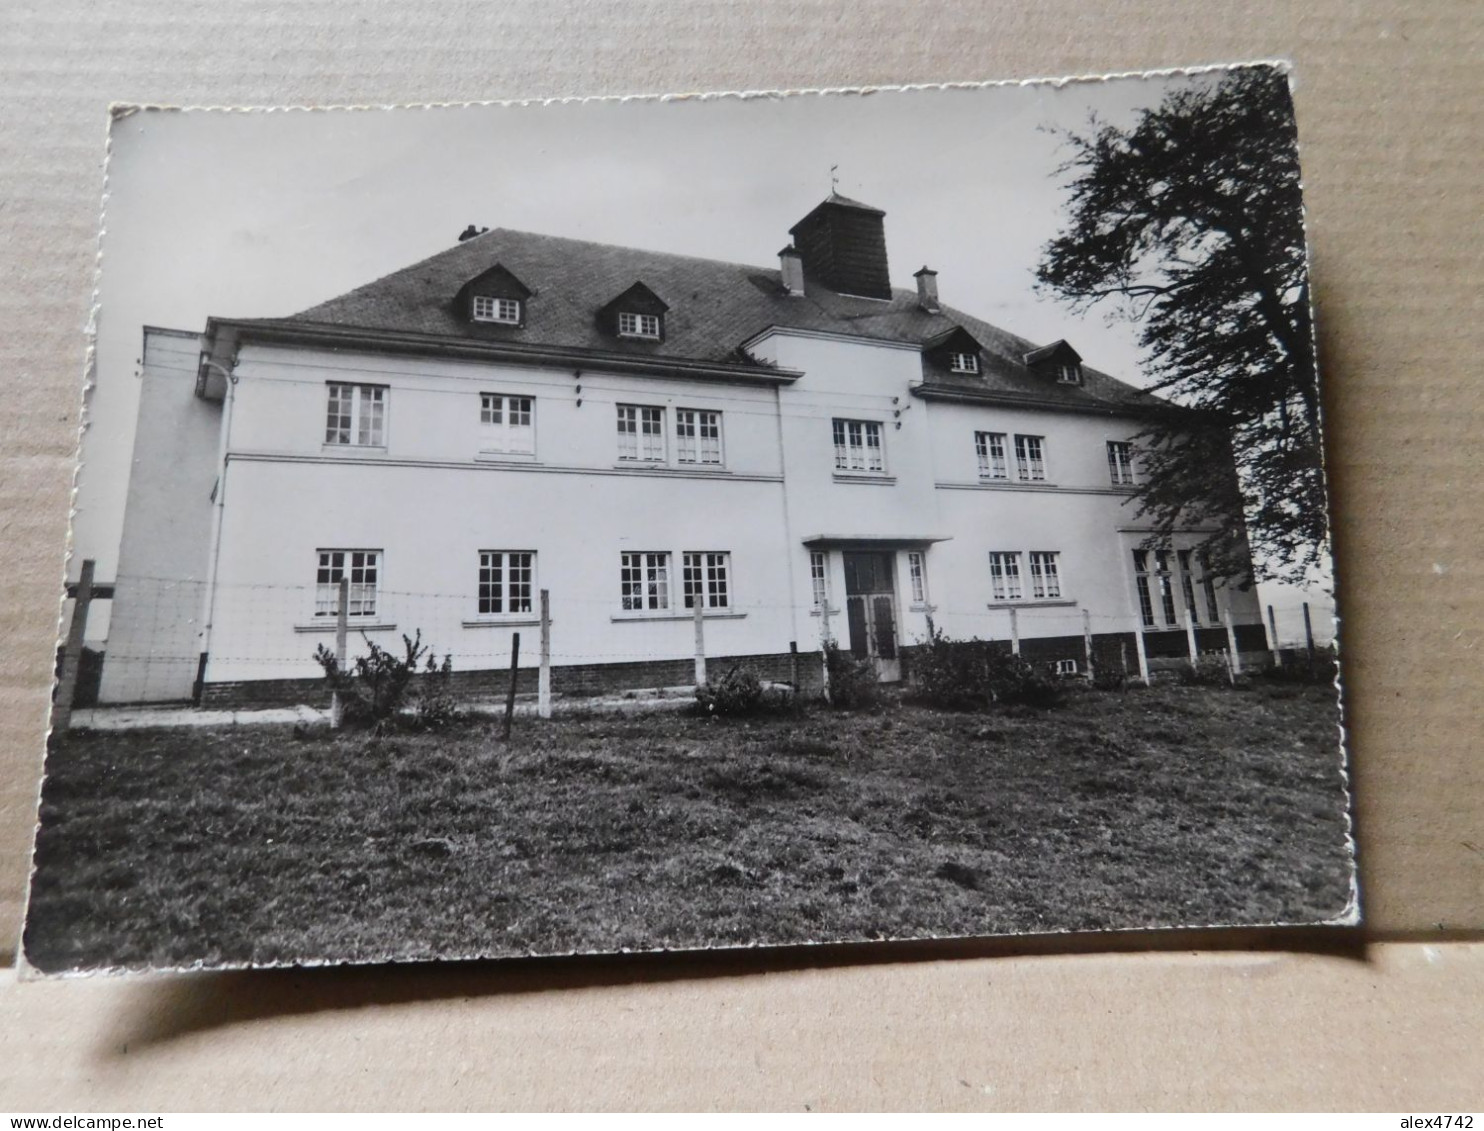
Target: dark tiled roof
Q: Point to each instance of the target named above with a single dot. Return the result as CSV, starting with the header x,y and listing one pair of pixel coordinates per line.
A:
x,y
714,307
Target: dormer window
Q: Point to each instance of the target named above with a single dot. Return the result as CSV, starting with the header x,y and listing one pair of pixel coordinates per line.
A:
x,y
963,362
1057,362
634,325
488,308
1069,373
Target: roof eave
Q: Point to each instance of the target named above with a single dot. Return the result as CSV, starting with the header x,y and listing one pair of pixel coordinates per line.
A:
x,y
930,392
283,332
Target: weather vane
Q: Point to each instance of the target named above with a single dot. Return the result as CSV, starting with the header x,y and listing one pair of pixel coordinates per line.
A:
x,y
834,180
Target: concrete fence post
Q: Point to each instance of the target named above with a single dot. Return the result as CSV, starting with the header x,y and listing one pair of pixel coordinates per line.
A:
x,y
342,630
1273,639
543,678
1014,631
1142,654
700,638
1231,642
72,650
1087,642
1190,643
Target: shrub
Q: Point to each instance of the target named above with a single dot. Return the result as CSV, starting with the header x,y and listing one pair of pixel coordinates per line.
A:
x,y
1209,669
433,704
967,675
852,681
374,689
738,692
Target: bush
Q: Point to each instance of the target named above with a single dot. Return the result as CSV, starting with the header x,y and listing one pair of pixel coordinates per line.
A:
x,y
972,675
375,688
737,693
853,681
1210,669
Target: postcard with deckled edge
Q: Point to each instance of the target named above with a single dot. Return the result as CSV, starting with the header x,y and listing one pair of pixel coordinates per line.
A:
x,y
713,521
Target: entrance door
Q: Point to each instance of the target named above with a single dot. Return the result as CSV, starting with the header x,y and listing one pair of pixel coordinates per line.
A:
x,y
871,612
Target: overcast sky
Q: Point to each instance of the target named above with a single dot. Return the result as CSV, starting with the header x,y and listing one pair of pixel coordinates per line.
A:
x,y
255,214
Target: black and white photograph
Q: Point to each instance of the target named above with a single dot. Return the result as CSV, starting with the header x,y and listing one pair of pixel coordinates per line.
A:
x,y
690,522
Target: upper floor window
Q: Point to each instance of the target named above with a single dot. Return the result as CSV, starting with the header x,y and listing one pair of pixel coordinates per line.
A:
x,y
631,325
490,309
705,576
858,446
507,424
644,579
359,569
1030,458
697,436
1121,463
963,362
641,433
990,447
356,415
1069,373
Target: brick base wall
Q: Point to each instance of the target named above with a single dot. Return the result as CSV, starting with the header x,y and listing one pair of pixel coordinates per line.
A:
x,y
569,679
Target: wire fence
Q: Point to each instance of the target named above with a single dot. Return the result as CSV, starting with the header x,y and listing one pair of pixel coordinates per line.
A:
x,y
169,640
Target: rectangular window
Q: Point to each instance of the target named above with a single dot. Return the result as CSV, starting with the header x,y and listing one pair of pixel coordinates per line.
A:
x,y
507,424
645,581
858,446
1030,458
1166,586
1004,576
487,309
917,576
705,574
1208,585
963,362
1121,463
358,567
991,449
697,436
356,415
632,325
1141,581
505,579
1045,575
819,578
1187,584
641,433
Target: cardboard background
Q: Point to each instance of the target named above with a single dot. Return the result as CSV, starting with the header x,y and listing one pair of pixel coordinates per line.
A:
x,y
1389,98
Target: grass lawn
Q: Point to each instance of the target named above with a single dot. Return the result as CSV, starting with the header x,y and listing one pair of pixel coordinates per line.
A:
x,y
1170,806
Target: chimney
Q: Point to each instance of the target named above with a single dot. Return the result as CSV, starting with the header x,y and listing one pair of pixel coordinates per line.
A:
x,y
927,290
843,244
791,267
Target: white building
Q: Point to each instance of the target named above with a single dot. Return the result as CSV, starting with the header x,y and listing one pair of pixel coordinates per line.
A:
x,y
805,447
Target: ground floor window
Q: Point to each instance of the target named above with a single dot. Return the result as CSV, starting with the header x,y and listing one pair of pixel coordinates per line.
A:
x,y
917,576
1156,587
505,581
645,581
361,568
706,575
1004,576
819,578
1045,574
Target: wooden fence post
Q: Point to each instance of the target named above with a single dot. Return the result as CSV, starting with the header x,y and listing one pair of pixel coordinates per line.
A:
x,y
699,601
1273,638
543,678
1142,654
342,627
72,650
1231,644
510,695
793,664
1087,642
825,641
1309,633
1014,631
